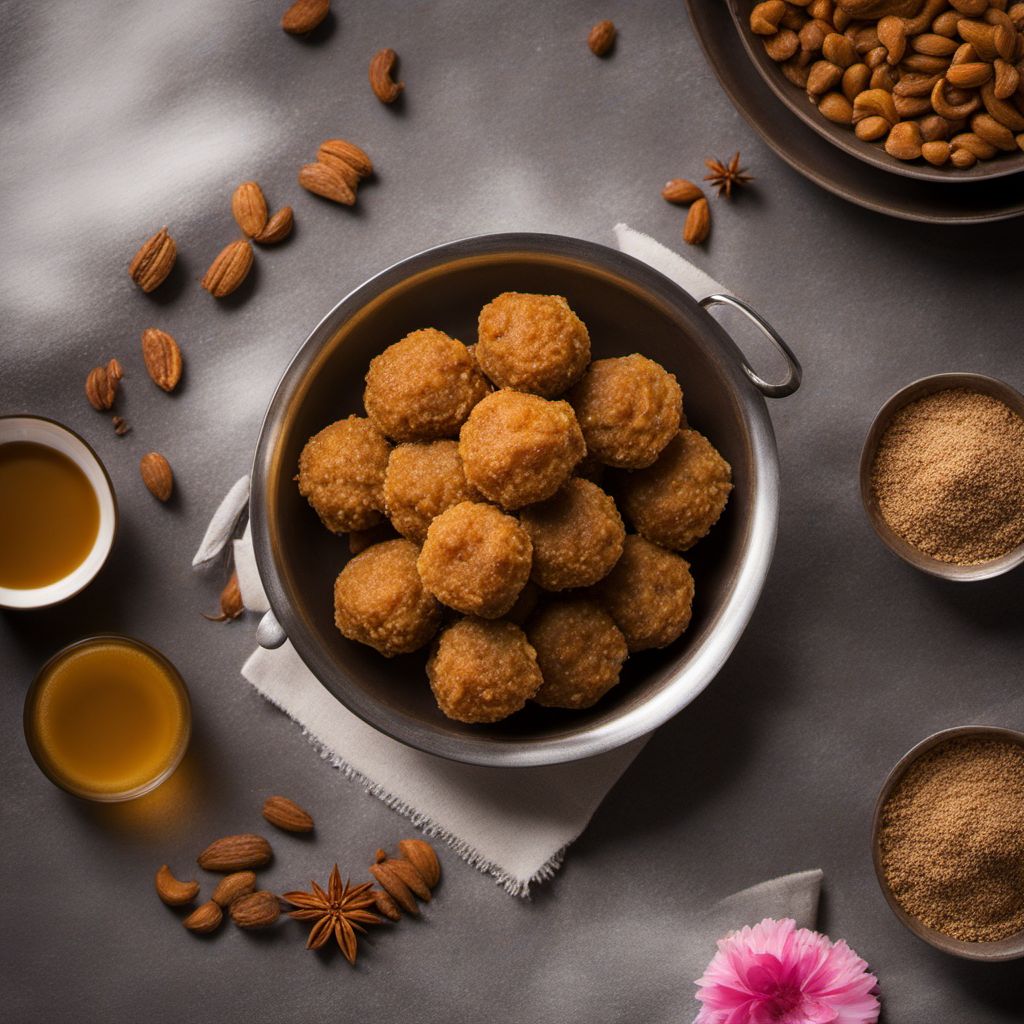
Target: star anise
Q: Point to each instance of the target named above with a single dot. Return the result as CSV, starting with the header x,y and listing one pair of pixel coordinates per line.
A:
x,y
725,177
341,911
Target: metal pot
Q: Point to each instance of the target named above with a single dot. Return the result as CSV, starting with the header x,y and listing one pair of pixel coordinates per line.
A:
x,y
627,307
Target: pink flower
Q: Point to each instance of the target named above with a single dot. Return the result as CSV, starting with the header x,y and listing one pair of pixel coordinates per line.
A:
x,y
776,973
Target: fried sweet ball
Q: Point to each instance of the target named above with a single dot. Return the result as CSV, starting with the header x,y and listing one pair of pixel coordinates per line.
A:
x,y
628,409
518,448
577,536
532,343
380,601
676,501
580,651
649,594
341,474
422,387
475,559
482,671
423,479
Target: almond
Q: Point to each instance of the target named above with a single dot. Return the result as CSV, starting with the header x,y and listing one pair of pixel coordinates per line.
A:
x,y
236,853
407,872
970,75
602,38
249,207
172,891
230,887
322,180
154,261
393,885
255,910
348,152
229,269
679,190
386,905
156,475
348,173
1007,79
385,88
423,858
698,223
278,228
162,357
304,15
936,152
286,814
101,385
204,919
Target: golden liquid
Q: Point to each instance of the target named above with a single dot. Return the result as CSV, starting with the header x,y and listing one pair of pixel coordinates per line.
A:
x,y
107,718
49,515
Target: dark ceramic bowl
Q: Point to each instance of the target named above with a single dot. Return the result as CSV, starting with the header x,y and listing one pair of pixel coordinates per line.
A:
x,y
627,307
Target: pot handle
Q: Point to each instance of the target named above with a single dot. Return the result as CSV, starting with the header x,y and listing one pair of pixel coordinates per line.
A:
x,y
269,633
795,374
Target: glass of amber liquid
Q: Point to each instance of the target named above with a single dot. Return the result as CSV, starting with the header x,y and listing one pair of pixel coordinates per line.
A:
x,y
108,718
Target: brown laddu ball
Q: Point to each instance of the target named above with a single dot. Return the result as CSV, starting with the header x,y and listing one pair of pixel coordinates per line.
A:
x,y
341,474
628,409
518,449
580,651
482,671
676,501
423,387
380,601
649,594
532,343
577,536
476,559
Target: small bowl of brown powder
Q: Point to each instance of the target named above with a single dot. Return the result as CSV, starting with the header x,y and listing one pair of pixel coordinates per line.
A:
x,y
942,475
948,838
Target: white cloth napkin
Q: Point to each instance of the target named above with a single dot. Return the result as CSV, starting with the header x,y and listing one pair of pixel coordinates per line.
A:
x,y
513,823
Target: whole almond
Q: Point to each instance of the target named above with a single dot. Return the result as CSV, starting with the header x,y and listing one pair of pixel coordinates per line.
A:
x,y
304,15
236,853
393,885
1007,79
249,206
385,88
969,75
386,905
287,815
422,857
698,223
154,261
156,475
348,173
204,919
162,357
173,892
326,181
278,228
255,910
229,269
679,190
602,38
101,385
407,872
230,887
349,152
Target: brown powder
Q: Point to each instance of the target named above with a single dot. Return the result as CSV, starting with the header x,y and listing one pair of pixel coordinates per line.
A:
x,y
948,476
952,839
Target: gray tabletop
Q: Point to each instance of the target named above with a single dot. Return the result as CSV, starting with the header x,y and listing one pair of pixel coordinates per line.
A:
x,y
118,118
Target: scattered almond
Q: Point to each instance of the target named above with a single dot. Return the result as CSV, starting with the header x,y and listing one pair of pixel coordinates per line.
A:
x,y
698,223
286,814
679,190
602,38
162,357
249,206
326,181
278,228
304,15
231,603
230,887
395,887
236,853
101,385
347,152
229,269
382,65
255,910
172,891
422,857
156,475
154,261
204,919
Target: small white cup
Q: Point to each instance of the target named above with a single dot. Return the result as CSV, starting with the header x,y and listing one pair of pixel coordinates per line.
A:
x,y
47,432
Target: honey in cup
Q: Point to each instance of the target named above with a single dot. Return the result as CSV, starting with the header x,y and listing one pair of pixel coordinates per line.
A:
x,y
108,718
49,515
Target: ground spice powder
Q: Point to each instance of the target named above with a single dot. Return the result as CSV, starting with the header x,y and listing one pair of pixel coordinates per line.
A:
x,y
952,839
948,476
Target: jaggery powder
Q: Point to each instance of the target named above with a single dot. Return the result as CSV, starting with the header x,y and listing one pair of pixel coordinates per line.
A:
x,y
948,476
952,839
